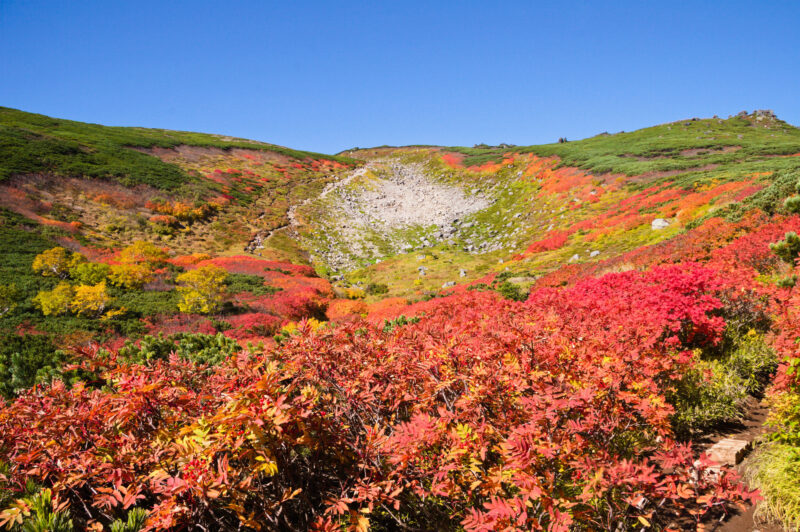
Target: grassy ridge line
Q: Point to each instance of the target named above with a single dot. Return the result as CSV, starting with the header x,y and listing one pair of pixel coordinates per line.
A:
x,y
658,148
32,143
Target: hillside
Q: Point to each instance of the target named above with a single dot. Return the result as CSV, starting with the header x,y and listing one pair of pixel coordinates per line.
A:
x,y
201,192
204,332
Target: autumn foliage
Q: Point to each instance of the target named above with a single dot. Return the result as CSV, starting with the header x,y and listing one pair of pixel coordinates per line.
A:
x,y
544,414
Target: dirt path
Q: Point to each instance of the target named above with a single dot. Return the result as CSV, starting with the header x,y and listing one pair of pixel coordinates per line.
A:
x,y
749,429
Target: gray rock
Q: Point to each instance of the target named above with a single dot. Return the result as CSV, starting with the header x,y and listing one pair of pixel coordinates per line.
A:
x,y
448,284
658,224
574,258
462,273
594,253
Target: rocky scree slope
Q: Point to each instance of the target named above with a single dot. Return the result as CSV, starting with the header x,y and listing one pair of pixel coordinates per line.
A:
x,y
386,208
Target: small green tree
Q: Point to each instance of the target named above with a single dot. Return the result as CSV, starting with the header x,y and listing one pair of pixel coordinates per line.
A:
x,y
792,204
90,272
788,248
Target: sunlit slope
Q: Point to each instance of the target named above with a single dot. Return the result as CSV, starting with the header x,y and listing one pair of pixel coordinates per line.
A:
x,y
113,185
582,201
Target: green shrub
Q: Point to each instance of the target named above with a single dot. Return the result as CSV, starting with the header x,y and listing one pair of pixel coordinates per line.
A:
x,y
39,515
9,294
752,361
788,248
714,391
90,272
702,402
27,360
197,348
389,325
253,284
136,519
792,204
374,289
512,291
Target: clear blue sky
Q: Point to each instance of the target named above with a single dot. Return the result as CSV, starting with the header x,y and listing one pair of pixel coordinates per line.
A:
x,y
327,76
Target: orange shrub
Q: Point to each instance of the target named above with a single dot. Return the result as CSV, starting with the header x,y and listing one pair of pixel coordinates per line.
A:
x,y
342,308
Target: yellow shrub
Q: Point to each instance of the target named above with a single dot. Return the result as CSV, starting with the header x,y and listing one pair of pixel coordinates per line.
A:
x,y
90,300
355,292
54,262
56,301
202,290
142,252
131,276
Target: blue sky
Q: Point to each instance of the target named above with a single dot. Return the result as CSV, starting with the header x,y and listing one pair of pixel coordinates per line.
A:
x,y
327,76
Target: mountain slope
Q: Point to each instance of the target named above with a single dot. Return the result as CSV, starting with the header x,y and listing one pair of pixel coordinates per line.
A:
x,y
570,203
209,332
200,192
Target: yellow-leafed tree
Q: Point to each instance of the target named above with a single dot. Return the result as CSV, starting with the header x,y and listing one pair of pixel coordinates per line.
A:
x,y
130,276
54,262
56,301
141,252
90,300
202,290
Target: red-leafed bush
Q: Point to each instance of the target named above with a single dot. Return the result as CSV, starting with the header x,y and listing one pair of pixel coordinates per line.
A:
x,y
543,414
252,326
552,240
254,266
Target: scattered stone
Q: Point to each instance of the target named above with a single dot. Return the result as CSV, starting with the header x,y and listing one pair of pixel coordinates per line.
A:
x,y
462,273
594,253
658,224
574,258
448,284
